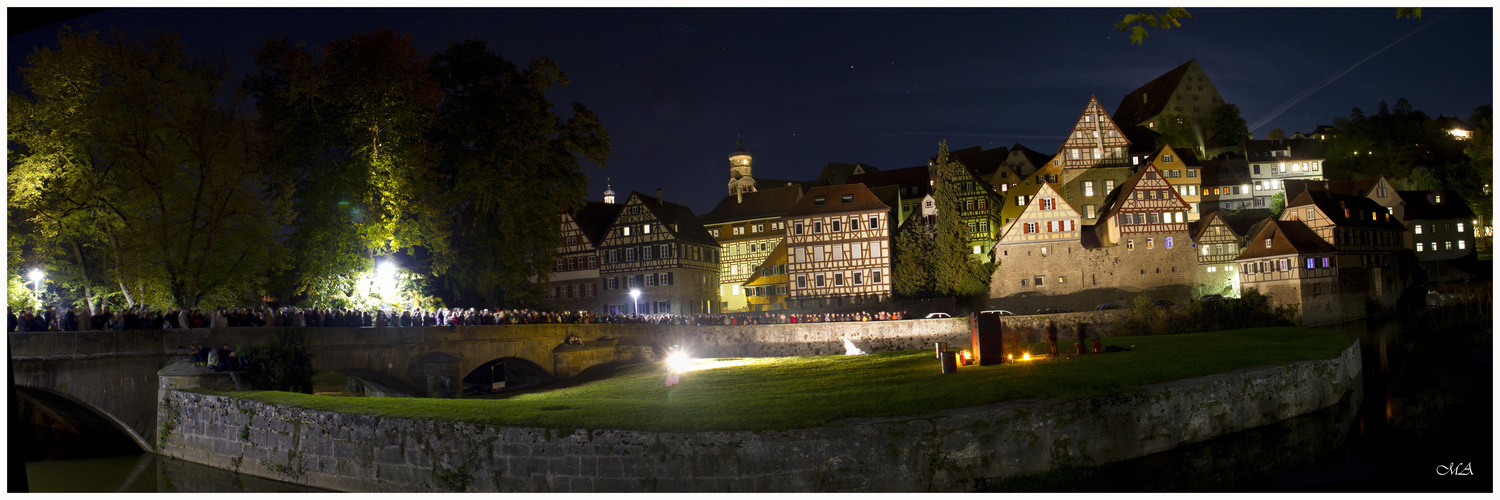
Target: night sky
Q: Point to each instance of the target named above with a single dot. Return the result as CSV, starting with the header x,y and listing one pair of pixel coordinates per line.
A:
x,y
675,87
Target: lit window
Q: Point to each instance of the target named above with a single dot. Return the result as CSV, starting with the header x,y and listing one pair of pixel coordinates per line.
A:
x,y
627,230
1169,239
1130,244
1418,228
1150,243
1460,227
646,229
1268,243
1419,247
1460,244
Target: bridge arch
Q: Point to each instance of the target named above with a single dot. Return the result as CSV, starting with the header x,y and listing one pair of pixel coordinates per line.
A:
x,y
506,373
78,413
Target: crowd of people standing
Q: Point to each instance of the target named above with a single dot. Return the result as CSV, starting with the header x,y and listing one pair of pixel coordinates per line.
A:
x,y
138,318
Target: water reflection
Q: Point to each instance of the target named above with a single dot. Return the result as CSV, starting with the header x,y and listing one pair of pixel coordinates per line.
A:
x,y
1424,413
144,473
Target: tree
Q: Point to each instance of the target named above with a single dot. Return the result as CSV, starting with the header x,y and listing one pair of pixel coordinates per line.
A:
x,y
1226,127
1182,132
1169,19
349,152
133,175
1276,134
912,266
507,162
1278,203
1132,23
956,272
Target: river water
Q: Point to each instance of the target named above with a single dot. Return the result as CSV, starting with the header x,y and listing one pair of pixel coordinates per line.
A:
x,y
1422,422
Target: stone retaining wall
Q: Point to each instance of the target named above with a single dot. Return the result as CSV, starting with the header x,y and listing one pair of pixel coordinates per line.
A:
x,y
945,451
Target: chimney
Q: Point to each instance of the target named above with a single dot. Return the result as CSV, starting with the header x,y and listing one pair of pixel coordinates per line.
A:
x,y
658,195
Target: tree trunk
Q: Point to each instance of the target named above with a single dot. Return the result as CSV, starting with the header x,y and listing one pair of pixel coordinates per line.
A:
x,y
83,270
128,301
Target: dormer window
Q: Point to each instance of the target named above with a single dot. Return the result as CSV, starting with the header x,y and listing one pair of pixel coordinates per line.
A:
x,y
847,199
1437,199
1166,158
1268,243
819,201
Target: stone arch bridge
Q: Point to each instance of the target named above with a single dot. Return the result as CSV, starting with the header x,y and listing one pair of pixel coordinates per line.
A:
x,y
114,374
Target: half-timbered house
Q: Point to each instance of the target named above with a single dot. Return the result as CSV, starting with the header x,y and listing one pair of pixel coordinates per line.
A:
x,y
839,247
748,228
1290,263
662,251
574,282
1142,213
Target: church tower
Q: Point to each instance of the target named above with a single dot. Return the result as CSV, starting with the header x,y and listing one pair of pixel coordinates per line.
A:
x,y
740,180
609,193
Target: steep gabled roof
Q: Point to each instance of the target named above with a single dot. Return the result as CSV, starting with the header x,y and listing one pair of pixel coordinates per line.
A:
x,y
905,178
1360,209
1025,160
1150,99
594,218
1116,198
760,204
1287,237
1045,191
838,173
1419,205
863,200
678,219
979,161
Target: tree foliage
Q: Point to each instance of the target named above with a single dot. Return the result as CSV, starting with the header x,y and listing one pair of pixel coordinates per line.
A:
x,y
281,364
1278,203
1276,134
507,162
937,256
348,150
130,175
1136,23
1226,127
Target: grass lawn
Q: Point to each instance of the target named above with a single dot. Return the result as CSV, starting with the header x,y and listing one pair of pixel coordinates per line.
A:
x,y
810,391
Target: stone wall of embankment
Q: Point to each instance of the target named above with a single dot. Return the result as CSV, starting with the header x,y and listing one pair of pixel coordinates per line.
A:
x,y
945,451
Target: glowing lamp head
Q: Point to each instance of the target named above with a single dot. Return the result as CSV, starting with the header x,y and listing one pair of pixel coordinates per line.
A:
x,y
678,360
635,294
1026,357
386,269
36,275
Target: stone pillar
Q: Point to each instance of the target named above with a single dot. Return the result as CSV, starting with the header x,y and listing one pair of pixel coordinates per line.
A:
x,y
441,376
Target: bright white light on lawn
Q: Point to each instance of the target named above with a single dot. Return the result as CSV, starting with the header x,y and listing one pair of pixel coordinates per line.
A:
x,y
678,361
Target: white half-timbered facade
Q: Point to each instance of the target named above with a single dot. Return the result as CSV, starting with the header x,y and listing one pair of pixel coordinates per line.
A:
x,y
1047,218
1145,210
661,250
574,282
838,248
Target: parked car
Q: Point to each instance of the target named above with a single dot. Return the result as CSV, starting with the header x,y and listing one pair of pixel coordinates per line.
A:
x,y
1001,312
1211,297
1052,310
1162,303
1109,306
938,315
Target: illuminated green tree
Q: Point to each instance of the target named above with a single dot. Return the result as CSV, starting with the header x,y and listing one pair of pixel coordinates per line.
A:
x,y
934,259
128,174
348,151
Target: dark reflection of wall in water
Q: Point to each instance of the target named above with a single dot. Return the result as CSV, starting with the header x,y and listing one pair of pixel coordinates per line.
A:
x,y
1238,462
179,476
144,473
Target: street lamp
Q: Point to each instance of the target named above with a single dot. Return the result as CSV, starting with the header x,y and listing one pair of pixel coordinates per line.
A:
x,y
635,304
36,280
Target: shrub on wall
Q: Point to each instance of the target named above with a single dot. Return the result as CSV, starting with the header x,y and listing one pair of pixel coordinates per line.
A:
x,y
282,365
1251,310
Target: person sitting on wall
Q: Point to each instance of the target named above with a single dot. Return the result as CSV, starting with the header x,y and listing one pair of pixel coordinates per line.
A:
x,y
213,359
